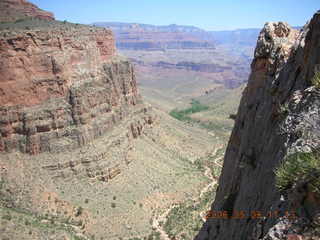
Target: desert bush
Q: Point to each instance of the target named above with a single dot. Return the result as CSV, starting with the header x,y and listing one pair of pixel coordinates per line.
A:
x,y
233,116
316,79
7,217
284,109
299,168
79,211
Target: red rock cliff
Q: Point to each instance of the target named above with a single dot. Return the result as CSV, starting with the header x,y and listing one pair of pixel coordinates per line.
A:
x,y
61,82
12,10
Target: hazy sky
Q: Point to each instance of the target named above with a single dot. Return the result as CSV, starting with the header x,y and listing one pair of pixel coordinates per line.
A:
x,y
206,14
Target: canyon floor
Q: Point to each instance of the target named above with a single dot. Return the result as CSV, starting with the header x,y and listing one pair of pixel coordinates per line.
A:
x,y
163,169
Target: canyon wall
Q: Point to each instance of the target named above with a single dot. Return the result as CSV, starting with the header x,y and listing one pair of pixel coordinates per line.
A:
x,y
13,10
133,36
278,116
61,86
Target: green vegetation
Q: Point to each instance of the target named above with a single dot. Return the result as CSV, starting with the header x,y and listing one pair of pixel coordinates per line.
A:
x,y
20,20
316,79
79,211
233,116
184,220
7,217
299,168
284,109
183,115
154,235
28,222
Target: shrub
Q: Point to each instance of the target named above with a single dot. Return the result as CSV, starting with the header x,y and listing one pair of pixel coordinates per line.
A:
x,y
79,211
20,20
7,217
113,205
284,109
316,79
299,167
233,116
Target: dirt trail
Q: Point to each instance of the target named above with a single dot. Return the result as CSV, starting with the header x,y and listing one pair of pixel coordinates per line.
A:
x,y
213,181
163,217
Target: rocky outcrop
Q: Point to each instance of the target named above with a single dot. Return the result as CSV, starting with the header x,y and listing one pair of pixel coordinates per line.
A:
x,y
61,86
278,115
12,10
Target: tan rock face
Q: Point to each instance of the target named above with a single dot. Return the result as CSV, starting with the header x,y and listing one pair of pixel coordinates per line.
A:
x,y
12,10
278,105
62,83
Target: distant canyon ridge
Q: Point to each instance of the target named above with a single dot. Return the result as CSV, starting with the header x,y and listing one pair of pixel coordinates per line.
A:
x,y
177,63
135,36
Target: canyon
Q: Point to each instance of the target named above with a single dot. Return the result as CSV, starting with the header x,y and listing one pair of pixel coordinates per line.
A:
x,y
83,156
170,74
134,131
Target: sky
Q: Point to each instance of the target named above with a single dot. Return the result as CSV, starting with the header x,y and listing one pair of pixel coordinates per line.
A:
x,y
206,14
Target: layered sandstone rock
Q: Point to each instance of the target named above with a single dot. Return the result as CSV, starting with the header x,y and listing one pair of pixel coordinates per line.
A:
x,y
61,86
12,10
278,115
155,38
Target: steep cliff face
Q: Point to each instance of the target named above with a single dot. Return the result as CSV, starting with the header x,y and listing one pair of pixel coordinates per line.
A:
x,y
69,101
12,10
278,115
61,86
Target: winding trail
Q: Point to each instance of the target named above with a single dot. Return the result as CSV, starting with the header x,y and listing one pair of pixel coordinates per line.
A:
x,y
211,184
163,217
